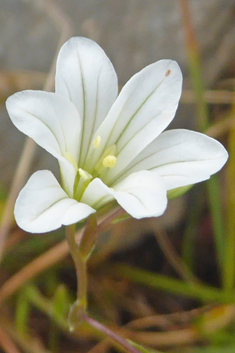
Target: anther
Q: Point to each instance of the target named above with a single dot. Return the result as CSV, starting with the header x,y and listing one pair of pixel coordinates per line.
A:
x,y
105,160
97,142
109,161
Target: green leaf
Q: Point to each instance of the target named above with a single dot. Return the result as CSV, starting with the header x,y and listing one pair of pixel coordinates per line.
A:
x,y
172,194
175,286
22,311
61,302
230,349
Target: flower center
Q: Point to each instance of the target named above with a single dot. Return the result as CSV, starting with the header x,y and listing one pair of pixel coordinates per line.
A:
x,y
107,160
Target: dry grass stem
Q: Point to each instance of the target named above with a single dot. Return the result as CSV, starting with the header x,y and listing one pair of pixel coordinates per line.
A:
x,y
178,318
220,128
173,257
17,80
18,181
46,260
27,343
158,339
210,96
164,339
101,347
41,263
6,343
190,39
175,337
17,235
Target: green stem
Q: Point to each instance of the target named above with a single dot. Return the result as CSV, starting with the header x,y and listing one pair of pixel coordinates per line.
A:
x,y
80,266
229,262
88,239
80,253
214,200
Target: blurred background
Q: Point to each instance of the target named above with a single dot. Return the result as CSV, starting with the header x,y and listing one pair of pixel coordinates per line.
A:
x,y
170,281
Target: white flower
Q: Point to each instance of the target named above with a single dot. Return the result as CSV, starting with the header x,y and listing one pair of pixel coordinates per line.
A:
x,y
108,147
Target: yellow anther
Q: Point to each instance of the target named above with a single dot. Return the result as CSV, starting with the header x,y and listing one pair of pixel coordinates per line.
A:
x,y
109,152
109,161
97,142
84,175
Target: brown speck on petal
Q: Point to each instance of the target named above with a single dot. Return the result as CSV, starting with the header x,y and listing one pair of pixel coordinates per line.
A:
x,y
168,72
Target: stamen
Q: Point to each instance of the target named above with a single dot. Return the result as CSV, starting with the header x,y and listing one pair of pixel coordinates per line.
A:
x,y
82,183
84,175
110,151
97,142
109,161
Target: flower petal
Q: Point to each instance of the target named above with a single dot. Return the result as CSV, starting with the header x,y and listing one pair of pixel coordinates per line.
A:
x,y
97,194
42,205
181,157
52,122
86,76
144,108
141,194
49,119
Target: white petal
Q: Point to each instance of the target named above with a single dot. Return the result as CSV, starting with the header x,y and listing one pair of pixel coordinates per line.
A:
x,y
181,157
42,205
51,121
144,108
86,76
141,194
97,194
68,173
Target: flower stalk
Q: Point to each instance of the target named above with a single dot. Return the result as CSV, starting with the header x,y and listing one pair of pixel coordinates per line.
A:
x,y
80,252
80,262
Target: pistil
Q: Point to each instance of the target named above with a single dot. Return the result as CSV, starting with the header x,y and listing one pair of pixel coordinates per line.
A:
x,y
84,180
